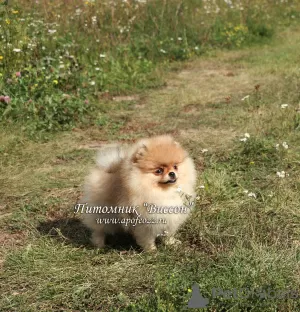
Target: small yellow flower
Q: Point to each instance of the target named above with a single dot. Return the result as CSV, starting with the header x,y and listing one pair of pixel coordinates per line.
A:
x,y
189,290
1,57
7,21
36,85
90,3
252,162
55,81
15,12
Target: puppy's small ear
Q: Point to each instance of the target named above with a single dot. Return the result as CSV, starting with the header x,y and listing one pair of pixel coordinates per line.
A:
x,y
139,153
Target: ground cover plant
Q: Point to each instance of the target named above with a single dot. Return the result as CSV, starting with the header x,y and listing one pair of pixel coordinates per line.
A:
x,y
59,57
220,76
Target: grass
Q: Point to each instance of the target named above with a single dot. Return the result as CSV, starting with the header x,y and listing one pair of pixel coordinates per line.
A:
x,y
245,229
54,70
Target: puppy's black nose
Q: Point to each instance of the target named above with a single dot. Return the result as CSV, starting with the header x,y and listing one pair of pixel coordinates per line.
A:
x,y
172,175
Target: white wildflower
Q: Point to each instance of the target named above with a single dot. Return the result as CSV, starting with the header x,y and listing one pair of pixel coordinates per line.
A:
x,y
284,105
204,150
228,2
102,55
202,186
284,145
78,12
162,51
282,174
92,83
17,50
245,138
51,31
250,194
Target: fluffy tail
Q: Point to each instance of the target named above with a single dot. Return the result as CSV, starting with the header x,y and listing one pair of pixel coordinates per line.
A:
x,y
110,158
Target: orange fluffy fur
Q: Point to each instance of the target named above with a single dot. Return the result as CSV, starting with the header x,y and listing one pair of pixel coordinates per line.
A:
x,y
151,171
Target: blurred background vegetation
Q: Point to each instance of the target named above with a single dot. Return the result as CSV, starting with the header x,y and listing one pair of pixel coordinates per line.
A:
x,y
58,59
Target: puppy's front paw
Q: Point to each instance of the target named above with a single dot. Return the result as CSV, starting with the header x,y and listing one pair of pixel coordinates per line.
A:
x,y
98,240
147,242
151,248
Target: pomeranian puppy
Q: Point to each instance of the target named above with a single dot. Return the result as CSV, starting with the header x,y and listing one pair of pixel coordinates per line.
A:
x,y
146,189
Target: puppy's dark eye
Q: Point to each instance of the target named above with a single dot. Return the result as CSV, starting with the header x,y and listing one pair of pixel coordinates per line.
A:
x,y
175,167
159,171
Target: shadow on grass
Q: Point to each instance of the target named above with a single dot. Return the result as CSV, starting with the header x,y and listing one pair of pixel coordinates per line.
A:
x,y
72,231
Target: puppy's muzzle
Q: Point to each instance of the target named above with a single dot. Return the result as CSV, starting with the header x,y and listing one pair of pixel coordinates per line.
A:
x,y
172,178
172,175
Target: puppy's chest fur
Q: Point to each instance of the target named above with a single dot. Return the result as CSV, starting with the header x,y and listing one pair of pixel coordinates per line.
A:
x,y
165,208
